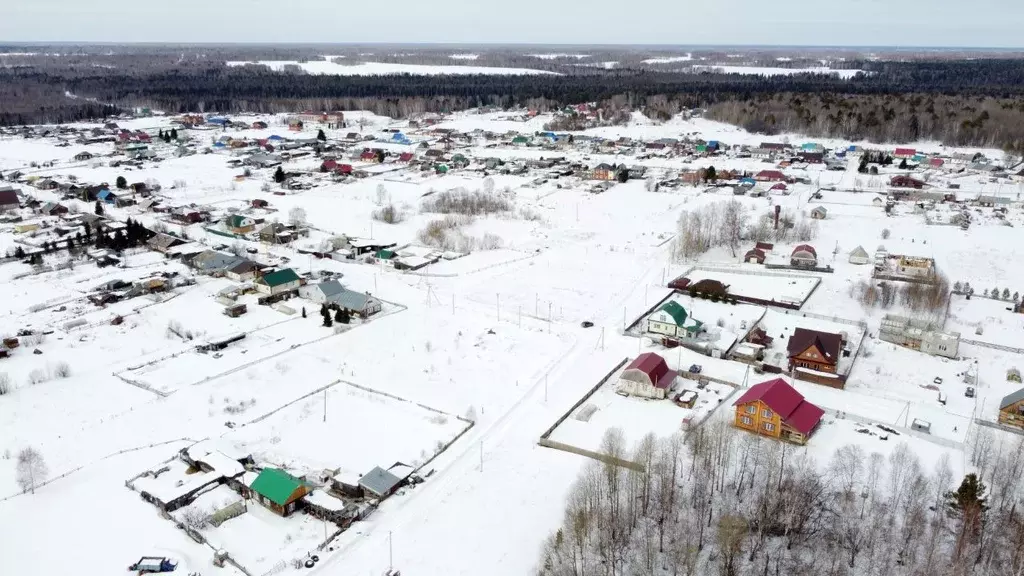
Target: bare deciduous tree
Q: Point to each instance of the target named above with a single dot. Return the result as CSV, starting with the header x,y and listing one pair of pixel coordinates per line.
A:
x,y
30,469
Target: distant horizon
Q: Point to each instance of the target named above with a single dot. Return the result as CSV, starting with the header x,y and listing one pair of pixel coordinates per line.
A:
x,y
494,45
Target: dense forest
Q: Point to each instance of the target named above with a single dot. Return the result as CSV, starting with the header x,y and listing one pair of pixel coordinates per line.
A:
x,y
726,502
956,101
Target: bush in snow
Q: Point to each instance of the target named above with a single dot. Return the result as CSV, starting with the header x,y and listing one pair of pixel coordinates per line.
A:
x,y
5,384
60,370
31,470
388,214
34,339
194,518
885,234
37,376
462,201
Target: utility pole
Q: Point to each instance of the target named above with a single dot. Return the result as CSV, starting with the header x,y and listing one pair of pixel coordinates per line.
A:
x,y
391,555
497,305
481,455
453,304
325,405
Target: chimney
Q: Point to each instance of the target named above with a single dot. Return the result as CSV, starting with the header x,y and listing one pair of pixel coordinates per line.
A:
x,y
777,210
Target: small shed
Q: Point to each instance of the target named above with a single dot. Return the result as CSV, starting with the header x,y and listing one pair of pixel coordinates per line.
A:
x,y
921,426
859,256
819,213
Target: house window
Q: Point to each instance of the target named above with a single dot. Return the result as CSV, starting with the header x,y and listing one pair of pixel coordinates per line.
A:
x,y
769,427
766,413
751,409
746,421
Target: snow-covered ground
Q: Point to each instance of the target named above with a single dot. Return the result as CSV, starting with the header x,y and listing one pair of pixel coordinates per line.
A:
x,y
669,59
494,336
328,67
766,71
753,283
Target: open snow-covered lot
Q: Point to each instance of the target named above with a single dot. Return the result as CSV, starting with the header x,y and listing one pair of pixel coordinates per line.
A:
x,y
522,319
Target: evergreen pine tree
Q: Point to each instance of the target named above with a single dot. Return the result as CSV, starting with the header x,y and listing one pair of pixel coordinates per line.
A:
x,y
327,321
121,183
174,133
321,136
19,252
303,311
98,209
279,175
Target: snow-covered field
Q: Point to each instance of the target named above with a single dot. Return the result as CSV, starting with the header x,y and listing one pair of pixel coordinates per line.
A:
x,y
327,67
669,59
496,336
766,71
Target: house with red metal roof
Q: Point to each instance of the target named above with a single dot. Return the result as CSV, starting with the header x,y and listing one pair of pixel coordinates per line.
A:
x,y
776,409
647,376
770,176
905,153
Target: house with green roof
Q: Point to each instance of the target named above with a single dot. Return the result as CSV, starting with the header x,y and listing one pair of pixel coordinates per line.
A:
x,y
672,320
278,490
279,282
239,224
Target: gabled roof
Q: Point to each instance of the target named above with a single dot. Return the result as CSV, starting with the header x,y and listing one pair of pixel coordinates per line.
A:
x,y
830,345
859,251
379,481
1011,399
676,311
276,485
805,248
8,197
651,364
785,401
280,277
351,300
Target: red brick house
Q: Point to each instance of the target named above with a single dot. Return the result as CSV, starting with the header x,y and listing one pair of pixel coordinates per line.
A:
x,y
814,350
776,409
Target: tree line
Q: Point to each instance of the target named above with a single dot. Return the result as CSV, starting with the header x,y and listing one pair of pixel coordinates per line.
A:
x,y
722,501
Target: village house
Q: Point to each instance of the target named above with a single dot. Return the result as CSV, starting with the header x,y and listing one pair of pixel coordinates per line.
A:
x,y
9,199
242,271
603,171
776,409
903,181
379,483
804,256
239,224
918,267
164,242
814,350
755,256
1011,409
819,213
673,321
647,376
52,209
919,335
904,153
279,282
278,491
770,176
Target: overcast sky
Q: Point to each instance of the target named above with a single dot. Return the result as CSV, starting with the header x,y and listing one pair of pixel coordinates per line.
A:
x,y
975,23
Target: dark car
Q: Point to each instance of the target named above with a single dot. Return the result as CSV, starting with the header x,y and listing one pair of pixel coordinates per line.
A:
x,y
587,324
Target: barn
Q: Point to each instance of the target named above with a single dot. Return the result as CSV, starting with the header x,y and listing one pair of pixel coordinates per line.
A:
x,y
647,376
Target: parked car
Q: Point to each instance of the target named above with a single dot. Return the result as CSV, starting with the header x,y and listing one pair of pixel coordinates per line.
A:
x,y
695,369
587,324
969,392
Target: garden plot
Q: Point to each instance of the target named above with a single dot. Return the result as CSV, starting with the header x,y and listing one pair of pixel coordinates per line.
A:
x,y
636,417
260,540
783,288
986,320
781,325
725,323
194,367
356,431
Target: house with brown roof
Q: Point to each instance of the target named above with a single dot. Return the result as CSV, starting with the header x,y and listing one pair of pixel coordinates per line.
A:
x,y
647,376
9,199
814,350
903,181
775,409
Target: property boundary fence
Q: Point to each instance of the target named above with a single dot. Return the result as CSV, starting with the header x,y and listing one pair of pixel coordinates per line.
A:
x,y
545,438
1010,349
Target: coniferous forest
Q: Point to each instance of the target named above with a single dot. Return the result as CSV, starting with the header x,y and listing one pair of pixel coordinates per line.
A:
x,y
957,101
